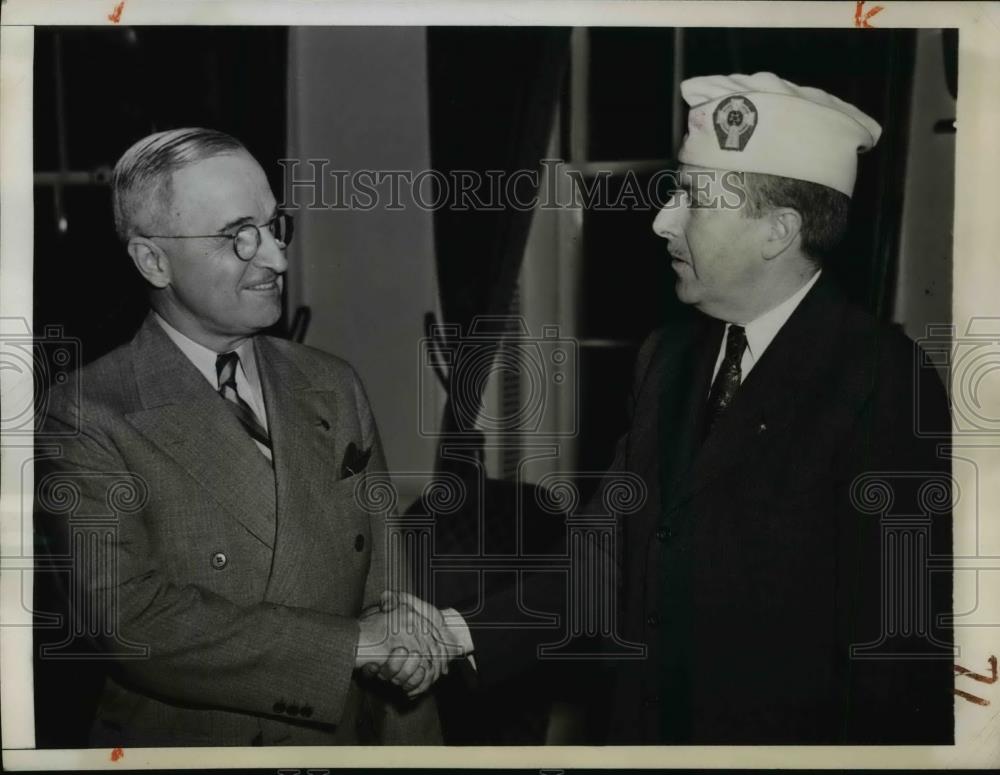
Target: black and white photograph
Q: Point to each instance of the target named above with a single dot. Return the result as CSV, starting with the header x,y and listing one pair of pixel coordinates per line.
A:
x,y
584,385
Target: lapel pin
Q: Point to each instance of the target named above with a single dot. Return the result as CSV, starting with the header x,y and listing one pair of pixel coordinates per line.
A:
x,y
762,427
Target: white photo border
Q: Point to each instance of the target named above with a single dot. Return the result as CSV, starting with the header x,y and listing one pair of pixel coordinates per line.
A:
x,y
976,275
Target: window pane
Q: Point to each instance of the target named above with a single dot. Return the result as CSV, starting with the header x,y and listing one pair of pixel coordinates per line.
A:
x,y
630,84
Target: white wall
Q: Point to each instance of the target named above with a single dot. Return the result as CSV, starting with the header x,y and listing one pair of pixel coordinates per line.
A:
x,y
358,97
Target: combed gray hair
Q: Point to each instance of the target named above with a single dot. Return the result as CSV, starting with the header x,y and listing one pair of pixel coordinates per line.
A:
x,y
141,183
824,211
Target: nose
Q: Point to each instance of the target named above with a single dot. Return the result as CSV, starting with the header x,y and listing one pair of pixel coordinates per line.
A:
x,y
271,254
669,222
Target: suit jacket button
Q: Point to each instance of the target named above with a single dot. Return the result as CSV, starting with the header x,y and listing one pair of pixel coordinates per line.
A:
x,y
306,711
662,534
650,700
652,620
279,707
292,710
359,543
219,560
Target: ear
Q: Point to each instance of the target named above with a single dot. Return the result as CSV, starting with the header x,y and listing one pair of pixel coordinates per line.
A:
x,y
150,260
784,231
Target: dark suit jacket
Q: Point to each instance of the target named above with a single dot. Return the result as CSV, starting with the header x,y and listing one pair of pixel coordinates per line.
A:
x,y
753,569
244,586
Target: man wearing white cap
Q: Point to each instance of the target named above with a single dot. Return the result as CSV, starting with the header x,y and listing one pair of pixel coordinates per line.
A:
x,y
761,575
787,488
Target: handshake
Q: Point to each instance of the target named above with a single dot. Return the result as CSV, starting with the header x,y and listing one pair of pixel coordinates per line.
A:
x,y
405,641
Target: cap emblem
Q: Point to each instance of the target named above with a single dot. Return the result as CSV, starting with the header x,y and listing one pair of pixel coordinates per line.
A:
x,y
735,120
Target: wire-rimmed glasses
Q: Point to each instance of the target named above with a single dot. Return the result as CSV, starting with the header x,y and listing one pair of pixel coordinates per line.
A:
x,y
246,239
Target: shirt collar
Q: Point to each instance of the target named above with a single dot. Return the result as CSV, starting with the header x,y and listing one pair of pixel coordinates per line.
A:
x,y
204,358
761,332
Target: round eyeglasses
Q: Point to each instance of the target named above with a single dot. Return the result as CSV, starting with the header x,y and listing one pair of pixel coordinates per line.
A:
x,y
246,239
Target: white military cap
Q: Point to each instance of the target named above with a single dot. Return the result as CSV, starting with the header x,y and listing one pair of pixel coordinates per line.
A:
x,y
763,123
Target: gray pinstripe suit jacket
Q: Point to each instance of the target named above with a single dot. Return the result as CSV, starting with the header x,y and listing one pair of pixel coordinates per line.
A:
x,y
256,647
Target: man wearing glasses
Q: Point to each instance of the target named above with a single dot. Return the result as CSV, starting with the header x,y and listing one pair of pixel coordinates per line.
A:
x,y
247,573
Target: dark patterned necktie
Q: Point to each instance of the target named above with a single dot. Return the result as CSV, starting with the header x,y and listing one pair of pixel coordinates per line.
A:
x,y
225,368
727,381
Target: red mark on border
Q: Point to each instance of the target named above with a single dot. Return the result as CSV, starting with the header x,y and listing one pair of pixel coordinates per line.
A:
x,y
116,16
117,754
862,21
971,697
986,679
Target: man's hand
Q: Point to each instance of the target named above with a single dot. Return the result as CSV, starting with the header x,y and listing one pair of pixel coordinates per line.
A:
x,y
397,645
405,642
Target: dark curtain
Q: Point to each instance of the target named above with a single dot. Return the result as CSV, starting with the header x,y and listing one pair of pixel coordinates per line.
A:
x,y
493,95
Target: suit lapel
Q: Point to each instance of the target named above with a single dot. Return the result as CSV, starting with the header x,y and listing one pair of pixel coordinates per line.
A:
x,y
685,386
766,401
299,418
182,416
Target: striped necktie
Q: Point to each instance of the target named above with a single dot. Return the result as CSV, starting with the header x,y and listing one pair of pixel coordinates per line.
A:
x,y
730,375
225,368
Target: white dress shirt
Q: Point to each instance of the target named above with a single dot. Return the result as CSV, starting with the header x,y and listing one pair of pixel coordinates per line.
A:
x,y
761,331
247,376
